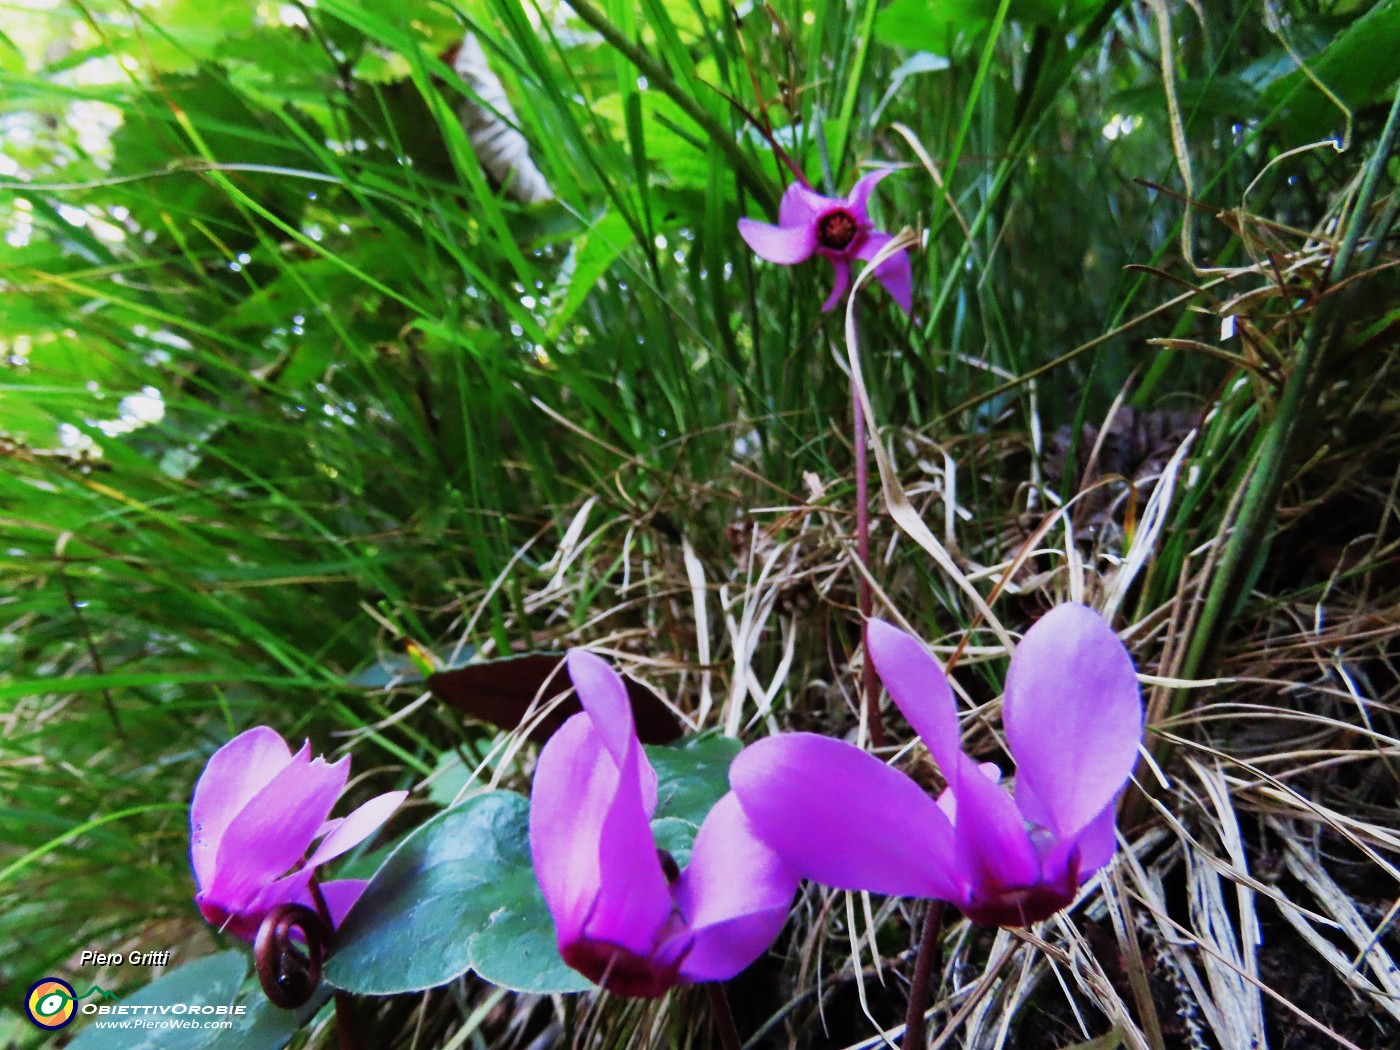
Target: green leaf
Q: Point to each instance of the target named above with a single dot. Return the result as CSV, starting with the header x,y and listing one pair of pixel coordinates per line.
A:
x,y
1232,98
216,980
933,25
692,776
452,777
1358,66
11,57
915,64
458,894
674,143
395,669
590,257
676,837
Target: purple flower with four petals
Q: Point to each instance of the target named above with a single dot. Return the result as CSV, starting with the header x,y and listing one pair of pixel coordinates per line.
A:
x,y
1073,716
256,811
838,228
626,917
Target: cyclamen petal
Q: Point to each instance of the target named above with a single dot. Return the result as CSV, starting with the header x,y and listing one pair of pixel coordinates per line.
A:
x,y
800,205
1093,847
340,896
1073,718
256,810
995,855
575,781
604,696
842,817
785,245
618,919
859,199
895,273
840,285
919,689
735,894
268,835
632,900
235,773
1073,715
243,921
350,831
836,227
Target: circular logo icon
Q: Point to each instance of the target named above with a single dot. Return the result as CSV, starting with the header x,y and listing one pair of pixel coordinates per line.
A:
x,y
50,1003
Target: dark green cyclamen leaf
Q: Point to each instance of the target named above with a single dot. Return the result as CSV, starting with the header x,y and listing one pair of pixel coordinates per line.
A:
x,y
676,837
458,894
216,980
692,776
500,692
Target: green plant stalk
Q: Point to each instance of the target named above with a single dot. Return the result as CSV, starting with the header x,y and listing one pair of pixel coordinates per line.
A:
x,y
1264,482
657,74
853,82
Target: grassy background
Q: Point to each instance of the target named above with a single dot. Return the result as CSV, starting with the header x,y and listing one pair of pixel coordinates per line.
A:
x,y
398,406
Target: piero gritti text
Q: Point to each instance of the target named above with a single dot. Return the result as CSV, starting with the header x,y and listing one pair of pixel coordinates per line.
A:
x,y
92,958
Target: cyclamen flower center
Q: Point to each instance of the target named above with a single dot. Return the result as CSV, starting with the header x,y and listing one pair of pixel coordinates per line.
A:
x,y
837,229
619,970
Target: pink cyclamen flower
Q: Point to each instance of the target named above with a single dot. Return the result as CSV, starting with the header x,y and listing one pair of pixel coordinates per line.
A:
x,y
625,917
256,811
1073,716
838,228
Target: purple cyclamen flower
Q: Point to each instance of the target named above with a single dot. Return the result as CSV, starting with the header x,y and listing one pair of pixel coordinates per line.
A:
x,y
1073,716
626,918
838,228
256,811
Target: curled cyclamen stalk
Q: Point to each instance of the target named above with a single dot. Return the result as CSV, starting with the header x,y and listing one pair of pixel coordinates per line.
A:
x,y
289,976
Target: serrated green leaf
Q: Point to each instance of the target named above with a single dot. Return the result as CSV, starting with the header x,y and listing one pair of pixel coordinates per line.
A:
x,y
590,257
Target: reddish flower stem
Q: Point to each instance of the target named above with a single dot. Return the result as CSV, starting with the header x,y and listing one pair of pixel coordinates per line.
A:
x,y
345,1032
867,679
924,965
288,977
724,1016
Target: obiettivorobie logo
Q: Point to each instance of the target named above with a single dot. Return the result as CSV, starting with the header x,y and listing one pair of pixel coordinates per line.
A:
x,y
52,1003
